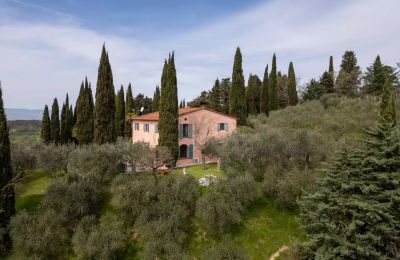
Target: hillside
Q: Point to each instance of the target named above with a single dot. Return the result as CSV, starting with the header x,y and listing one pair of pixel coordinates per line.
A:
x,y
23,114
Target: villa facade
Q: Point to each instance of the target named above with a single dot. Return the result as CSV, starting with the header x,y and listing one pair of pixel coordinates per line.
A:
x,y
196,126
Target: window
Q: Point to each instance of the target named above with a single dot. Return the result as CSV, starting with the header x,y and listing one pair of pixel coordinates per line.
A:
x,y
222,127
136,126
186,151
146,127
156,129
185,130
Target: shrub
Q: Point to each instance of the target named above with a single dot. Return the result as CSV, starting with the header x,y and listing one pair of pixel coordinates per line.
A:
x,y
104,240
22,156
53,157
74,196
223,204
39,236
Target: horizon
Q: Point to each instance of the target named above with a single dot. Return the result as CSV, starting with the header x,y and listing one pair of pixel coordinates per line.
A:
x,y
49,48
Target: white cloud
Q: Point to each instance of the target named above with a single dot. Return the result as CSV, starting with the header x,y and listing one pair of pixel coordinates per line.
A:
x,y
43,60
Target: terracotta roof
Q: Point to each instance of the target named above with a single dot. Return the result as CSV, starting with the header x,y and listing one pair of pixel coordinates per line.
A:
x,y
182,111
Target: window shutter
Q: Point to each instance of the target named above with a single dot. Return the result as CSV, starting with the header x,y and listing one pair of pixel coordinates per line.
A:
x,y
190,151
226,127
190,130
218,129
180,131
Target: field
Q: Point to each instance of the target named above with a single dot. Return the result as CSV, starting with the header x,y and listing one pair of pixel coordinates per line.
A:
x,y
264,230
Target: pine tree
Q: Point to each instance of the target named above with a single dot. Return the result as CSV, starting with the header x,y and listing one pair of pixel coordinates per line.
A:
x,y
387,108
264,101
215,97
156,99
326,82
356,212
374,78
225,89
168,119
348,79
84,120
313,91
120,112
45,135
7,198
237,97
273,87
55,123
129,107
104,113
292,91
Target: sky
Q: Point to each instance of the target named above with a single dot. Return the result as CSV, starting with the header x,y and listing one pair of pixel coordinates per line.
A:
x,y
47,47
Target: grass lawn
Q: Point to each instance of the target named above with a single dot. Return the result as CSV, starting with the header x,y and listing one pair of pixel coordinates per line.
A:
x,y
30,189
264,229
197,171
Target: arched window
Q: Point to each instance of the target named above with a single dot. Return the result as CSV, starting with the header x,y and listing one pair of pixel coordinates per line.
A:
x,y
183,151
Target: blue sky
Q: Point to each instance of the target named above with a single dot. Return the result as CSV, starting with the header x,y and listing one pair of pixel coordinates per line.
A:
x,y
47,47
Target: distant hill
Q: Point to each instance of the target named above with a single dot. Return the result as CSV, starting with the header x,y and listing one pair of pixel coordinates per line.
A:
x,y
23,114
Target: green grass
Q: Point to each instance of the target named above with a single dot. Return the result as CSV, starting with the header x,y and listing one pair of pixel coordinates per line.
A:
x,y
264,229
198,171
21,136
30,189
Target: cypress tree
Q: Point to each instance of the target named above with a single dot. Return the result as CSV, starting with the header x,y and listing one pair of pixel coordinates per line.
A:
x,y
273,87
129,106
282,89
168,121
66,122
237,97
292,91
331,66
253,92
264,94
120,113
225,89
84,120
355,214
45,135
63,128
7,198
104,113
55,123
156,99
326,82
215,97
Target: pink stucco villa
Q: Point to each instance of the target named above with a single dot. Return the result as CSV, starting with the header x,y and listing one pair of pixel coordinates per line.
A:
x,y
196,126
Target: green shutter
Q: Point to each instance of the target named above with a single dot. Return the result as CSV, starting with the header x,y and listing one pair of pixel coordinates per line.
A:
x,y
180,131
226,126
190,151
190,130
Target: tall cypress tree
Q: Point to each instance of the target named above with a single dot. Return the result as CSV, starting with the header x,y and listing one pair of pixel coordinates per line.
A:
x,y
63,125
355,214
129,106
7,198
156,99
273,87
292,91
264,101
104,113
45,134
215,97
237,97
253,93
225,89
168,121
331,66
66,122
55,123
120,113
85,117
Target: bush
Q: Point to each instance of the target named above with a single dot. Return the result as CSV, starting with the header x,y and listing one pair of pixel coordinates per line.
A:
x,y
222,205
39,236
104,240
53,157
75,196
23,156
163,208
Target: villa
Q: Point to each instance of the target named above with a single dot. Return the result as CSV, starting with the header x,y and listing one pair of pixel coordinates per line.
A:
x,y
196,127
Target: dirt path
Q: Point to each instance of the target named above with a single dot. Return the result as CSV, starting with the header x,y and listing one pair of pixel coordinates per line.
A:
x,y
277,253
